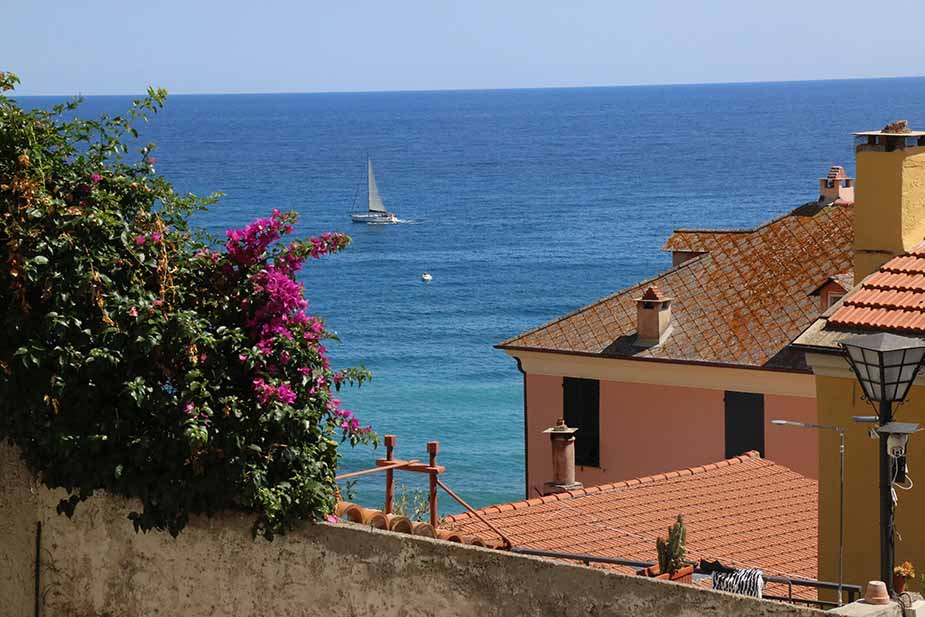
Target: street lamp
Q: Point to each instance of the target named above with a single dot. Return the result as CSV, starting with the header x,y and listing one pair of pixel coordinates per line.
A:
x,y
841,491
886,365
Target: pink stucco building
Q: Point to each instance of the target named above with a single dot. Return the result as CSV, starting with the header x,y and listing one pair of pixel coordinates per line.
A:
x,y
691,365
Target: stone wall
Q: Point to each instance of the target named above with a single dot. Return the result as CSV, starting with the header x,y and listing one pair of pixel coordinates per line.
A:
x,y
95,565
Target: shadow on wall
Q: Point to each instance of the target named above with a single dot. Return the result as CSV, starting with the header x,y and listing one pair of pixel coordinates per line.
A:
x,y
95,564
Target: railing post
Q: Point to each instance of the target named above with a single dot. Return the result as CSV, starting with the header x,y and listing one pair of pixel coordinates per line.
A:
x,y
432,448
390,441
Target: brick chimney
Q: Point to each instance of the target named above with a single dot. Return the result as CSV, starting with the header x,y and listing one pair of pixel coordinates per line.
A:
x,y
836,187
562,440
653,317
889,208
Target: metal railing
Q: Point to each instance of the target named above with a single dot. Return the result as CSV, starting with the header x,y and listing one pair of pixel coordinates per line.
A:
x,y
852,591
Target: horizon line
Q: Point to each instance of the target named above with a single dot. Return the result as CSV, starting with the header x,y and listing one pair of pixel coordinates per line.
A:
x,y
499,89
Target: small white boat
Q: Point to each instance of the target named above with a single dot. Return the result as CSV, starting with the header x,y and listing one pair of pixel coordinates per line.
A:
x,y
376,212
426,277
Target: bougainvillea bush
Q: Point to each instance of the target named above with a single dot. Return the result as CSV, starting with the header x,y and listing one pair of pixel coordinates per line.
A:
x,y
140,358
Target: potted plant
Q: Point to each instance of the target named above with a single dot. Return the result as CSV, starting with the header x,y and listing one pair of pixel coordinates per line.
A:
x,y
671,565
902,572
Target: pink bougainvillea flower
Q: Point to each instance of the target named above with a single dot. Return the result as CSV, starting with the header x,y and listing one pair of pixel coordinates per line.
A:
x,y
285,394
188,408
96,178
133,312
156,237
265,392
140,240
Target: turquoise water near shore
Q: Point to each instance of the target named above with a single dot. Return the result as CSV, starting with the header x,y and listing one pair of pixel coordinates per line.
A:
x,y
528,204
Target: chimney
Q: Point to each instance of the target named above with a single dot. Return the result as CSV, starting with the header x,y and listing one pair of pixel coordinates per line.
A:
x,y
653,317
562,439
889,209
836,187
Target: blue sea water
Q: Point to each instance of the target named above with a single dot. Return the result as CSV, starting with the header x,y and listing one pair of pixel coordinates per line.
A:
x,y
529,204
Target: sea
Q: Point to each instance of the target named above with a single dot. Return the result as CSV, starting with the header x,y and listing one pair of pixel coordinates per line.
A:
x,y
522,204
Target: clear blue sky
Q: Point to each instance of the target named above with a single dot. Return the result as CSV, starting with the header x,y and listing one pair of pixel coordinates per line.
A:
x,y
194,46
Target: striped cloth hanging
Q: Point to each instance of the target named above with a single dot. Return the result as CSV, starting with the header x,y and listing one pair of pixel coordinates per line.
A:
x,y
743,582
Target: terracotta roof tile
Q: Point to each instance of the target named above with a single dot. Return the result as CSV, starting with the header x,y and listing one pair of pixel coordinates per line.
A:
x,y
741,303
892,299
699,240
745,511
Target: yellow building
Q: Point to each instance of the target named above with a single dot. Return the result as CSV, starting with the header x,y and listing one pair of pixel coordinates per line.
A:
x,y
889,296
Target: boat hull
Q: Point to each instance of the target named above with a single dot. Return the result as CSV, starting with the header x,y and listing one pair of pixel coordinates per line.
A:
x,y
374,218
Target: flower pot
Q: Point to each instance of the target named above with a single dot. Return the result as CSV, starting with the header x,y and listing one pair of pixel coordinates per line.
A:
x,y
684,575
651,572
899,583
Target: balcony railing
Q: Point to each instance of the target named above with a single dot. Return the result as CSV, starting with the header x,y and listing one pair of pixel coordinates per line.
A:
x,y
852,591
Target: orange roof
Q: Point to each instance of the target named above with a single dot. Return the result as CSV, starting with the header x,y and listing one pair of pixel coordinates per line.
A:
x,y
843,280
699,240
745,512
741,303
837,172
891,299
653,293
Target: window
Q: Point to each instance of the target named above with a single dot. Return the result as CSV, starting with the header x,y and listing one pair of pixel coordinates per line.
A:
x,y
834,297
581,402
744,423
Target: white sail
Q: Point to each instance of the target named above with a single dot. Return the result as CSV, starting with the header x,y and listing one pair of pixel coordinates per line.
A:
x,y
375,202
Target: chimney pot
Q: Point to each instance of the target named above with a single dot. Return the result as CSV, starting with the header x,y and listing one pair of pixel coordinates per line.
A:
x,y
562,440
653,317
836,187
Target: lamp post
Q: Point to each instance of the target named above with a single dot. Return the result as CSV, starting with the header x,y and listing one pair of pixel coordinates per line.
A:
x,y
841,490
886,365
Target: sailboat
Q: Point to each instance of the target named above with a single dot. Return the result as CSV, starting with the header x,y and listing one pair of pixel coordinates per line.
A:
x,y
376,212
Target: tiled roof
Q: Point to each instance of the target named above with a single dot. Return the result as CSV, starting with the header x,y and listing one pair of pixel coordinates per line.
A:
x,y
891,299
741,303
699,240
845,280
744,512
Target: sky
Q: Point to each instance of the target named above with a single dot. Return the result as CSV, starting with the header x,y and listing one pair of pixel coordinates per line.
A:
x,y
224,46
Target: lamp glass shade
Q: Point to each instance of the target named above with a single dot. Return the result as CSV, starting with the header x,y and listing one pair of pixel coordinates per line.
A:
x,y
885,364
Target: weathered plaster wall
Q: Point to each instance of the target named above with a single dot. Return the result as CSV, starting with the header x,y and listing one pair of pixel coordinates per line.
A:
x,y
19,512
95,565
648,429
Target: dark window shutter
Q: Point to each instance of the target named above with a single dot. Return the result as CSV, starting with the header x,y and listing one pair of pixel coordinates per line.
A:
x,y
744,423
581,402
